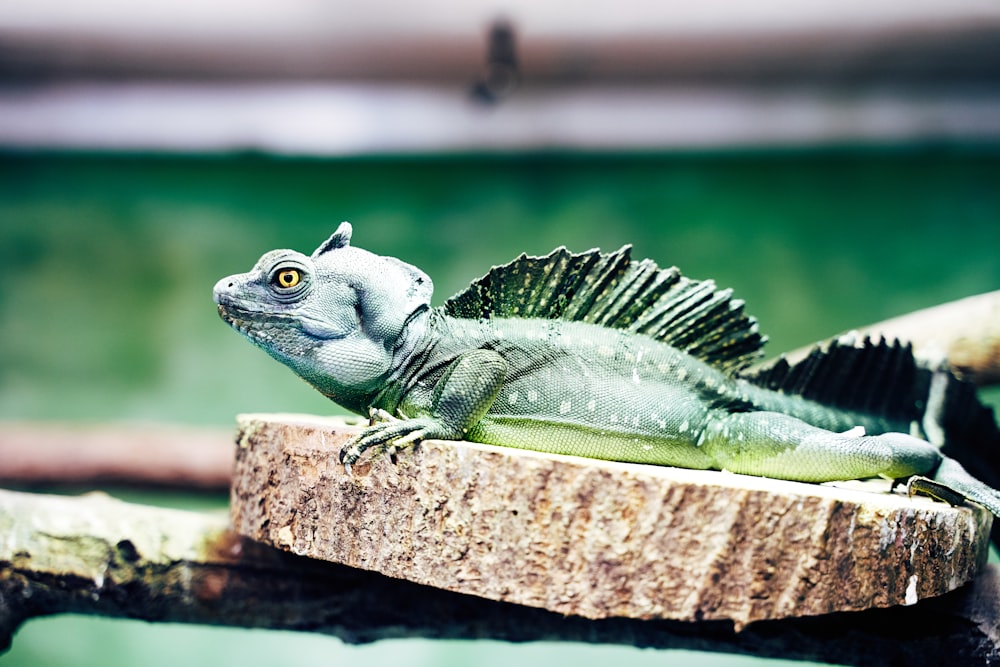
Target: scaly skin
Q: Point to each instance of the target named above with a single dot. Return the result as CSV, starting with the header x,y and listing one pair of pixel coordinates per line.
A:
x,y
359,328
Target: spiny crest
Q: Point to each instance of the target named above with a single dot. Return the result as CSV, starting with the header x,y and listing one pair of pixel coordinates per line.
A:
x,y
880,377
612,291
884,378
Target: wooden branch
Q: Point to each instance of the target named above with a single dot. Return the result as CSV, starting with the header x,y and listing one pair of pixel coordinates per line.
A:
x,y
153,455
593,538
96,555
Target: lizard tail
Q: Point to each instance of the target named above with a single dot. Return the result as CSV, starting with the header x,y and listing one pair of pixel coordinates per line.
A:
x,y
883,379
965,428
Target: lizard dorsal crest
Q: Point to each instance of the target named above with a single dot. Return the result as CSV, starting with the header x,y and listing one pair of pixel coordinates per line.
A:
x,y
340,239
611,290
882,377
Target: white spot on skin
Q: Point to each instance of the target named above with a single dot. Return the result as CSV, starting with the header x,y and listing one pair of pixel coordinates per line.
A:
x,y
613,419
684,426
635,376
592,405
682,374
605,351
565,407
512,399
532,395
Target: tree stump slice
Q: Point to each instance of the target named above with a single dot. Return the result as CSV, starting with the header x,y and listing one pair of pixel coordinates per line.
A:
x,y
597,539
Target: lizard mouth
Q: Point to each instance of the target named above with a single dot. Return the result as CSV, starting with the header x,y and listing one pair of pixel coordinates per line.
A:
x,y
251,323
260,326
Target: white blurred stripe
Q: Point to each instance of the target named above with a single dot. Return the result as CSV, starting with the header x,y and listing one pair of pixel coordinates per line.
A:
x,y
332,119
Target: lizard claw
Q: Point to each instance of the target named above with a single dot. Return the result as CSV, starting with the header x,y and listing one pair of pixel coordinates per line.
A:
x,y
394,434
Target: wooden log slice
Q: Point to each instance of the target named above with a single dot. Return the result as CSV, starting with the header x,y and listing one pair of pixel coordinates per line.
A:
x,y
593,538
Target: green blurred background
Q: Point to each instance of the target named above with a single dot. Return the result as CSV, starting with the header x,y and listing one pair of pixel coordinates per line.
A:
x,y
107,264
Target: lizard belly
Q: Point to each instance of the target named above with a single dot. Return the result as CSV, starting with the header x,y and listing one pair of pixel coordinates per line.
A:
x,y
611,418
546,435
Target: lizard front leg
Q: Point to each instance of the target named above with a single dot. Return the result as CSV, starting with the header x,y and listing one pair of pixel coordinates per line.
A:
x,y
461,397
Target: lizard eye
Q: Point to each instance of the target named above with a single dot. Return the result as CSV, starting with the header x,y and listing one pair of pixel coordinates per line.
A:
x,y
288,281
287,278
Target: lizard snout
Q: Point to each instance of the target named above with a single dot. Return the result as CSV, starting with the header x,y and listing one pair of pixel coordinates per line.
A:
x,y
222,293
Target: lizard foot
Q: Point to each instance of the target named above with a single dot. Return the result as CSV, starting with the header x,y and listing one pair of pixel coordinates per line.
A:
x,y
392,435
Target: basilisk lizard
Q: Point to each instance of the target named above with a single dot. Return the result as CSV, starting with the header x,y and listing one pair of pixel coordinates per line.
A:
x,y
598,356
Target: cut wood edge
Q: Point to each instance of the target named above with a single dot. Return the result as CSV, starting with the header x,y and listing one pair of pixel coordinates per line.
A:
x,y
597,539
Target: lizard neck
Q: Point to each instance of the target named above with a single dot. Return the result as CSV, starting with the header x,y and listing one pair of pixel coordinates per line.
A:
x,y
409,348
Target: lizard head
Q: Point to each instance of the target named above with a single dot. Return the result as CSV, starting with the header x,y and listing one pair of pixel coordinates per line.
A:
x,y
335,317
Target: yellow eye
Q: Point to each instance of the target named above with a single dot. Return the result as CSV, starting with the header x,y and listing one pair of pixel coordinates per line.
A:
x,y
288,278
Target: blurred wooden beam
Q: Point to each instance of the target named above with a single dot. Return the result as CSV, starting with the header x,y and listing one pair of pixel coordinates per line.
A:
x,y
852,41
96,455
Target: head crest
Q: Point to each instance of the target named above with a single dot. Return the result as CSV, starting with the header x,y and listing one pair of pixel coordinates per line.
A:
x,y
340,239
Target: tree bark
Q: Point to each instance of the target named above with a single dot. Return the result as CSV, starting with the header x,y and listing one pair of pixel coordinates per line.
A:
x,y
96,555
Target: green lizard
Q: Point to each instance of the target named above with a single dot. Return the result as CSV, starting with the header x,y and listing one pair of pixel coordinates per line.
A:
x,y
595,355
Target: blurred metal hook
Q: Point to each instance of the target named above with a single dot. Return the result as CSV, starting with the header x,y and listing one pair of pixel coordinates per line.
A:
x,y
500,75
